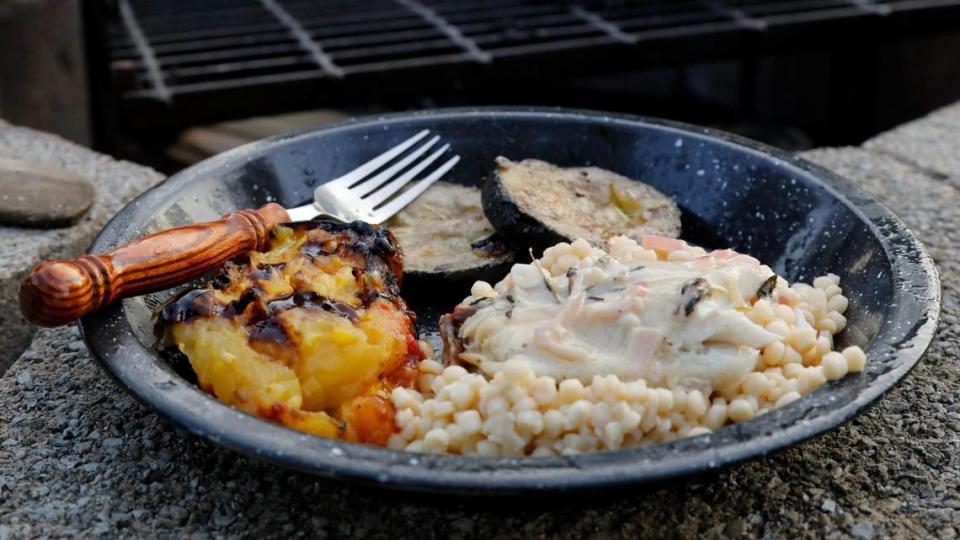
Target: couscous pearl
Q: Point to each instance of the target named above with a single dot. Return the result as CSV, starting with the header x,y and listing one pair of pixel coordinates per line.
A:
x,y
578,412
762,312
811,379
791,356
786,314
665,399
779,327
838,303
494,406
430,366
839,320
570,391
530,422
803,339
834,365
425,382
716,416
811,357
696,405
856,359
462,395
580,248
741,410
613,435
827,324
679,400
469,421
488,449
792,371
453,373
755,383
822,282
773,353
789,397
542,451
436,440
823,346
817,299
832,291
544,391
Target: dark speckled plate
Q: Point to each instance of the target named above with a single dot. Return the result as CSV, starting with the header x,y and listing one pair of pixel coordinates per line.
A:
x,y
801,219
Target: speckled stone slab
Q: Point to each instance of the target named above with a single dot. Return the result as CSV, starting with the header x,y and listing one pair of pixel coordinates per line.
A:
x,y
116,183
77,455
41,197
931,143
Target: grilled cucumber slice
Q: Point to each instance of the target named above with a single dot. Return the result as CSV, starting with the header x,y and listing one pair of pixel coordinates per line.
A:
x,y
537,204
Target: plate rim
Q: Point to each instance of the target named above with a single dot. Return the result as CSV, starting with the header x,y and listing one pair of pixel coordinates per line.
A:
x,y
491,476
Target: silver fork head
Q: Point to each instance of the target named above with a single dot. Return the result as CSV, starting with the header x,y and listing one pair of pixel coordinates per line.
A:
x,y
367,192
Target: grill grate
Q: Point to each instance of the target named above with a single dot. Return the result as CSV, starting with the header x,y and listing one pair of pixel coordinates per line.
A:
x,y
174,49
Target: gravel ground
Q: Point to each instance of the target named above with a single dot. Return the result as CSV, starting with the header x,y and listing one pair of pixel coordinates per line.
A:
x,y
117,182
77,455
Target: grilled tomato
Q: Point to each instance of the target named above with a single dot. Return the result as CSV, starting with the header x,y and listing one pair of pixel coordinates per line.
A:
x,y
311,333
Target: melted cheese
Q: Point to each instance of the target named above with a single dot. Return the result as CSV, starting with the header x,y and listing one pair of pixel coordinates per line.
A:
x,y
624,317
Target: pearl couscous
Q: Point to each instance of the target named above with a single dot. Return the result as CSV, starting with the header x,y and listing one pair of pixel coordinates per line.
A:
x,y
586,350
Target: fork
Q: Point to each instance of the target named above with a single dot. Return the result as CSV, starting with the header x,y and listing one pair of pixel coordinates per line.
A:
x,y
355,195
59,292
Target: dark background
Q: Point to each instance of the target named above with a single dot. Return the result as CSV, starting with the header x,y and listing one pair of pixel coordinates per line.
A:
x,y
812,90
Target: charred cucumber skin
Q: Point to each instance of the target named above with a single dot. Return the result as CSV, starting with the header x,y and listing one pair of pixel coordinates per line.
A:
x,y
516,226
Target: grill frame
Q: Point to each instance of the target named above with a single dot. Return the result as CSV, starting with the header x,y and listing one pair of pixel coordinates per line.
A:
x,y
271,56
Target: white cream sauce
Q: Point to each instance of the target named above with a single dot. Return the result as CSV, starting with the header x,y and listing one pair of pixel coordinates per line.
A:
x,y
608,316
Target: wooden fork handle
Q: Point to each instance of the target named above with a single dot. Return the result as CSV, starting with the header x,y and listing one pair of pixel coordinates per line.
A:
x,y
59,292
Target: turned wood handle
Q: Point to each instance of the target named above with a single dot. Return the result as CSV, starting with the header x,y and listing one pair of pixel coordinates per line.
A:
x,y
59,292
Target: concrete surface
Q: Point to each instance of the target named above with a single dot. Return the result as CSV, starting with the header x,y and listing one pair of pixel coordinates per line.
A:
x,y
117,182
77,455
931,143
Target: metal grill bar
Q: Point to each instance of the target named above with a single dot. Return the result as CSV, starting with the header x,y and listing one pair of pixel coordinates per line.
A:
x,y
373,15
303,38
870,7
202,57
603,25
921,4
737,15
447,29
235,31
162,49
276,46
397,49
179,74
796,7
332,44
146,53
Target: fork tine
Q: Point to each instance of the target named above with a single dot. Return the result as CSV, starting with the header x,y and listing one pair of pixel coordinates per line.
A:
x,y
380,215
386,191
373,183
360,172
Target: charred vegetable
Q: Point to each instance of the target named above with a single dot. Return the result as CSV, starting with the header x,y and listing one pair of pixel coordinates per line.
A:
x,y
766,288
311,334
445,235
691,293
533,203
